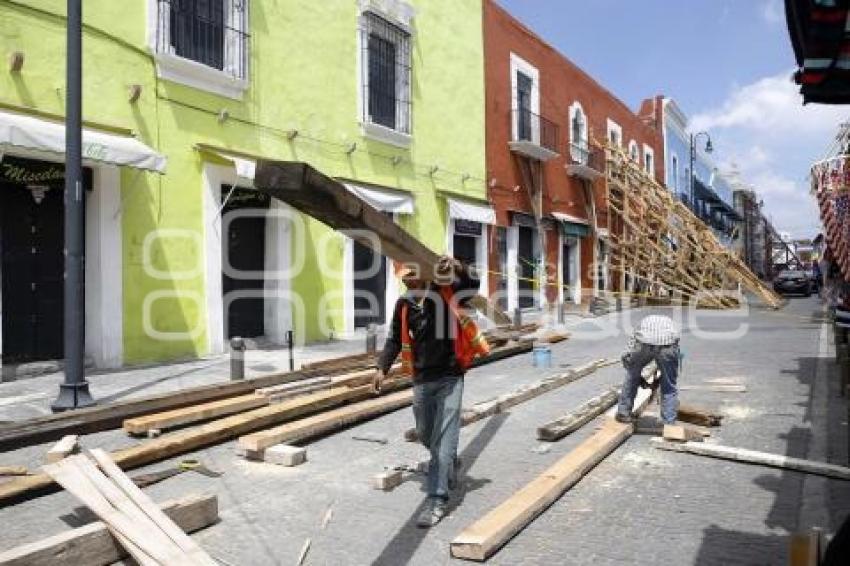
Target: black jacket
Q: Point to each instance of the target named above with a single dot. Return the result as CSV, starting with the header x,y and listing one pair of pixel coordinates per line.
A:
x,y
429,323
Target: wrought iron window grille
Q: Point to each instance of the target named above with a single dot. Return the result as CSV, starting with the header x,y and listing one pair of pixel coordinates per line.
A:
x,y
210,32
386,73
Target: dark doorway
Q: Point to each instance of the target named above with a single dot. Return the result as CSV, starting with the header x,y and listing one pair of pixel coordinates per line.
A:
x,y
527,263
245,241
370,286
32,240
566,271
464,249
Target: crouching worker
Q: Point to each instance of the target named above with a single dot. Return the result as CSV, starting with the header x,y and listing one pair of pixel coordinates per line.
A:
x,y
657,339
438,343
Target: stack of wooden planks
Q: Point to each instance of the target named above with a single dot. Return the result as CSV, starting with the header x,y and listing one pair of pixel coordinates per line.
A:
x,y
111,415
139,525
93,545
244,414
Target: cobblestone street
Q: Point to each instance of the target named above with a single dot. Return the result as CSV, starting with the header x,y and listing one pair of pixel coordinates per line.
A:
x,y
639,506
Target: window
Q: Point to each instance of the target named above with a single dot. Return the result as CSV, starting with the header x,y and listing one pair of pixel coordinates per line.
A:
x,y
648,160
578,134
524,88
202,43
386,74
633,151
615,133
525,101
674,173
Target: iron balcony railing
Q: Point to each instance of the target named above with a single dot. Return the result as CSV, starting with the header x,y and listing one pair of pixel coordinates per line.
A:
x,y
531,127
583,154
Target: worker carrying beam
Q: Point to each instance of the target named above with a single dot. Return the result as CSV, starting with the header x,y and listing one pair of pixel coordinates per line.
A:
x,y
656,339
437,342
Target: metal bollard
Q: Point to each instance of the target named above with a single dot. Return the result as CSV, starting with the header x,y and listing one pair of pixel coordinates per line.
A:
x,y
561,313
237,358
371,338
290,343
517,318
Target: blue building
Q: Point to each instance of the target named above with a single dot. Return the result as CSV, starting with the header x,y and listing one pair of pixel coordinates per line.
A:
x,y
710,196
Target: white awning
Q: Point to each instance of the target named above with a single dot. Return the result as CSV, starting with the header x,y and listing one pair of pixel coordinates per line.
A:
x,y
39,135
383,200
563,217
466,210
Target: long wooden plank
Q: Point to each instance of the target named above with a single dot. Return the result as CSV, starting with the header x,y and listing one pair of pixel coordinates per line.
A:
x,y
502,403
210,433
323,423
194,552
194,413
483,538
589,410
327,200
111,415
755,457
93,545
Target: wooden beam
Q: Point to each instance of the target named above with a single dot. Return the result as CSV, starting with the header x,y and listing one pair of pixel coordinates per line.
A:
x,y
483,538
111,415
193,414
576,419
328,201
93,545
323,423
503,402
63,448
212,432
755,457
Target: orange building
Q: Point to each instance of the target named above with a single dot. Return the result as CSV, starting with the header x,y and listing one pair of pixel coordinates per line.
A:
x,y
546,121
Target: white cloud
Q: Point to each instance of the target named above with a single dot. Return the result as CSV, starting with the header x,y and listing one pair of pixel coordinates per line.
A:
x,y
766,131
772,11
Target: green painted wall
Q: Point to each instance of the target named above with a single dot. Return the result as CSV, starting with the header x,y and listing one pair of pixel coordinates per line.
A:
x,y
303,76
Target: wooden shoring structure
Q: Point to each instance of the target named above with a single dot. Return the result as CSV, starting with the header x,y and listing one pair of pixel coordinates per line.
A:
x,y
659,242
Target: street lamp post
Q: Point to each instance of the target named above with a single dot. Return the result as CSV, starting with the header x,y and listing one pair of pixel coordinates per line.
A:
x,y
708,149
74,391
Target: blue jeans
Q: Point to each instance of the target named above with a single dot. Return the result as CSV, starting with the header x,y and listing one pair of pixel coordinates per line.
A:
x,y
436,408
667,360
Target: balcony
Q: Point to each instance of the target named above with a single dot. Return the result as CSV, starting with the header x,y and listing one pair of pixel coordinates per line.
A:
x,y
585,162
533,136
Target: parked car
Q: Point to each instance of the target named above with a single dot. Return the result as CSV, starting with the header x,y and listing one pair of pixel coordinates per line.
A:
x,y
788,282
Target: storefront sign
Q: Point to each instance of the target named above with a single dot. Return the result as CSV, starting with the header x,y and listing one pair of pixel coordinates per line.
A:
x,y
20,171
467,227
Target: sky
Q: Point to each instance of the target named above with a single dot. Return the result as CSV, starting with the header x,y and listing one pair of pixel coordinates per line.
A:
x,y
728,65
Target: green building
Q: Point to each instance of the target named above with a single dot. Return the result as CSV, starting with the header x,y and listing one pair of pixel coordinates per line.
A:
x,y
181,97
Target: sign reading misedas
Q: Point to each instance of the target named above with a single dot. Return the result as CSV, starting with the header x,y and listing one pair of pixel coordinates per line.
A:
x,y
19,171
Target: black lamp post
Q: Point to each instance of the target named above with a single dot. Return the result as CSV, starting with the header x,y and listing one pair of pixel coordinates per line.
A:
x,y
74,390
708,149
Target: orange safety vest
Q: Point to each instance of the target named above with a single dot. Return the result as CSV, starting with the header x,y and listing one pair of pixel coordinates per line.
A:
x,y
469,343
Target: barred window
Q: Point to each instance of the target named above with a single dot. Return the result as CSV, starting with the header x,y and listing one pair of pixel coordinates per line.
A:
x,y
386,73
210,32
